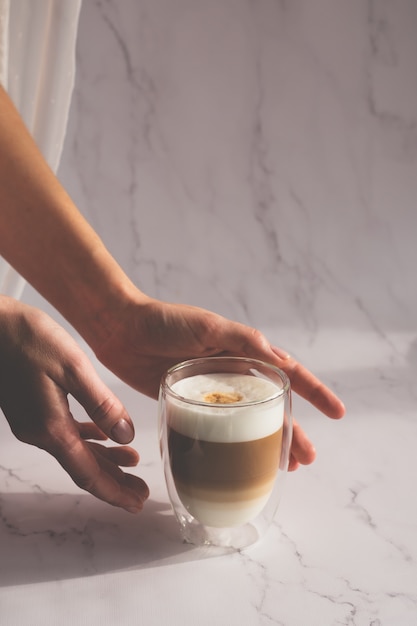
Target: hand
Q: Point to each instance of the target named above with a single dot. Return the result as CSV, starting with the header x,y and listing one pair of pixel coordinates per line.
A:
x,y
40,365
149,336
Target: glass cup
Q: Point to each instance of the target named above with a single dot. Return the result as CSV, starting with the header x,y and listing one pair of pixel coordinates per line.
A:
x,y
225,430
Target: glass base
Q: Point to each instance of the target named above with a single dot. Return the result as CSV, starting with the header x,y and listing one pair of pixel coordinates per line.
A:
x,y
235,537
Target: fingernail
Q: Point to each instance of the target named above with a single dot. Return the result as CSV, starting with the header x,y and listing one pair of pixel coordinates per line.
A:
x,y
132,509
122,432
135,508
282,354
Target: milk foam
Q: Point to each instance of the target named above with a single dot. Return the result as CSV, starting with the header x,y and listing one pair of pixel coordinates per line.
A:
x,y
226,422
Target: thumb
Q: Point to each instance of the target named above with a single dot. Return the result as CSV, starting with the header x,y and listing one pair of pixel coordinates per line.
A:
x,y
100,403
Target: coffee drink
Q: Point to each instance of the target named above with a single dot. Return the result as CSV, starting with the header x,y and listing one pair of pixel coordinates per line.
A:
x,y
224,444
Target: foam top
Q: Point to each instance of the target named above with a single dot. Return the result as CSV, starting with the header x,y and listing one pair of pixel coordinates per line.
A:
x,y
223,415
241,387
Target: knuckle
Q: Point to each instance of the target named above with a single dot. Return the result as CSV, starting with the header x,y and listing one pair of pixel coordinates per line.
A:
x,y
102,411
56,438
75,365
257,336
85,482
253,338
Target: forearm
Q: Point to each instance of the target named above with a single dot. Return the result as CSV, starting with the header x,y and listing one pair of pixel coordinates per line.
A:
x,y
47,240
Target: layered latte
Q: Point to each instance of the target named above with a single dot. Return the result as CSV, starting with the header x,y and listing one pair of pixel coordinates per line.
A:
x,y
225,445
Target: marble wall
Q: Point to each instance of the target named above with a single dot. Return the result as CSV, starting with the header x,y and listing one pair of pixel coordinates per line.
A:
x,y
255,157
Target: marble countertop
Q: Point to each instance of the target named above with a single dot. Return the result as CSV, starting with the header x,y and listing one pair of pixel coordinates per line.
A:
x,y
342,550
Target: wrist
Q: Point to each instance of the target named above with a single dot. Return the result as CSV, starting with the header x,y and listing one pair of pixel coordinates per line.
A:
x,y
96,305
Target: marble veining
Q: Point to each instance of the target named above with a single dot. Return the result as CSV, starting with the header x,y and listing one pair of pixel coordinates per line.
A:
x,y
258,158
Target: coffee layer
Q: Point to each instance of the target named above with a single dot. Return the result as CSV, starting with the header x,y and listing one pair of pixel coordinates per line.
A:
x,y
228,466
223,476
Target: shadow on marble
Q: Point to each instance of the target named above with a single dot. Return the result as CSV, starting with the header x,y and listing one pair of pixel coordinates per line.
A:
x,y
46,537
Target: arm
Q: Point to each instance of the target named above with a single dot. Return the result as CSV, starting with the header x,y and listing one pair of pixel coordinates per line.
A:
x,y
38,221
135,336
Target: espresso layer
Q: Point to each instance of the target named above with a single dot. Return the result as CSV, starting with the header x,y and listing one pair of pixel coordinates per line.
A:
x,y
224,471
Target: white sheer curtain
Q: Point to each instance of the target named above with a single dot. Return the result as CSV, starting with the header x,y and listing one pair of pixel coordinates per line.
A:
x,y
37,68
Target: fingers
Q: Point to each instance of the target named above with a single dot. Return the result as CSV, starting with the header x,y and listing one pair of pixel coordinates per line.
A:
x,y
95,470
124,456
120,455
242,340
312,389
105,409
293,464
302,449
89,430
93,467
309,386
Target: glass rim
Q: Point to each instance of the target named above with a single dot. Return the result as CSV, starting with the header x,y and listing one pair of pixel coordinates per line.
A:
x,y
182,365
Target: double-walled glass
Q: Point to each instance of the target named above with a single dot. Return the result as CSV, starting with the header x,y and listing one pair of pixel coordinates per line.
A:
x,y
225,430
